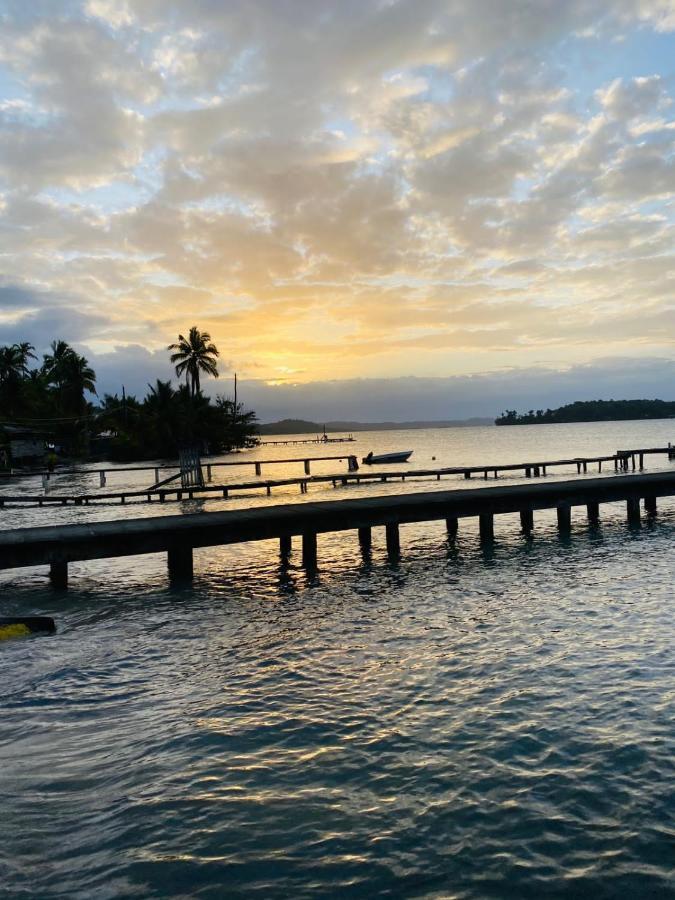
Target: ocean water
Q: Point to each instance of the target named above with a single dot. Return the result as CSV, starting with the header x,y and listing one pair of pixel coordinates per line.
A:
x,y
466,722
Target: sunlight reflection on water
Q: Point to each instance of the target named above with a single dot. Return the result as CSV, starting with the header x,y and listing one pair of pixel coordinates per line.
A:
x,y
460,723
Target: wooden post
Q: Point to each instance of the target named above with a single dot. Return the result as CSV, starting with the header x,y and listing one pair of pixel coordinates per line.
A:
x,y
156,475
593,511
258,469
564,511
642,461
633,510
208,472
451,524
536,471
179,560
528,472
58,575
487,527
578,468
599,465
365,538
101,478
225,493
393,540
307,470
543,470
309,550
585,464
285,545
526,520
485,474
650,505
467,475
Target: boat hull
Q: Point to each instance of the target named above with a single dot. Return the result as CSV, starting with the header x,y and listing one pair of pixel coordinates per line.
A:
x,y
403,456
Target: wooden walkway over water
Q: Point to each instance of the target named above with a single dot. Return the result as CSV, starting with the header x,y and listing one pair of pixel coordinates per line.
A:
x,y
177,536
622,460
317,440
103,472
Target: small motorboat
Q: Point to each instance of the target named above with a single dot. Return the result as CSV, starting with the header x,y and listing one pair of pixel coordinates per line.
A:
x,y
403,456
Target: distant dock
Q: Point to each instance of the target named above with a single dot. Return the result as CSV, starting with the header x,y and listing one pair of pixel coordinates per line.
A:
x,y
59,545
320,439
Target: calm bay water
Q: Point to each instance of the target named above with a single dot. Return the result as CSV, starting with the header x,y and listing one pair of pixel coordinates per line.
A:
x,y
463,723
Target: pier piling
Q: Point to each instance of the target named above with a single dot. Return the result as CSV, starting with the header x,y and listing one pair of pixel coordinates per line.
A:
x,y
451,525
365,539
179,560
564,513
393,540
486,525
593,512
633,510
309,555
58,574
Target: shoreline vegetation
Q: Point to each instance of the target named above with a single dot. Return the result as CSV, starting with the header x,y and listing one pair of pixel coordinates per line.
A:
x,y
592,411
46,410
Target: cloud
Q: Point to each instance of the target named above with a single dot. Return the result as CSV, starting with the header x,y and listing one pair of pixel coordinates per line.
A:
x,y
415,399
46,325
342,189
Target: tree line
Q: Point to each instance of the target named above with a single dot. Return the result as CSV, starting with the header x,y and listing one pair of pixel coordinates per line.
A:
x,y
57,398
592,411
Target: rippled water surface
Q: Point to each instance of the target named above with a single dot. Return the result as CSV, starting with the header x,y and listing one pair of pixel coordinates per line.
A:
x,y
463,723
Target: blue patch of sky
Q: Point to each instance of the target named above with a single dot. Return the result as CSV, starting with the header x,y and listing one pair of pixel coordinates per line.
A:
x,y
590,63
10,87
148,175
341,124
108,198
441,85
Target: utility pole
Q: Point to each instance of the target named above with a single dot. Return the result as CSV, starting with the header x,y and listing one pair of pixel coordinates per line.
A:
x,y
234,409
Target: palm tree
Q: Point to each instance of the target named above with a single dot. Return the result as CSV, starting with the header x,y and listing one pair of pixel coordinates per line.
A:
x,y
14,374
55,363
71,374
193,355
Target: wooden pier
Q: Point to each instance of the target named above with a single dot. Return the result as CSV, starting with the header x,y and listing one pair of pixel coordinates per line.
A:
x,y
175,467
162,492
317,440
177,536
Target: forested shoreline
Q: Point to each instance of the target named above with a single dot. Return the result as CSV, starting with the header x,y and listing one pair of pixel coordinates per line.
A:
x,y
591,411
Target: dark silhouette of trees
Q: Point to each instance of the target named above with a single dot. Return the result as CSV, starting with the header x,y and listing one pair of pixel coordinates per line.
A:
x,y
52,399
592,411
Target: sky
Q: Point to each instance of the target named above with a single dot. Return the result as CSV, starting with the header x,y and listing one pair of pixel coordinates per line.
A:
x,y
379,209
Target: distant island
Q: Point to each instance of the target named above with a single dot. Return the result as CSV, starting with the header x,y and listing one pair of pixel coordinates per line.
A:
x,y
592,411
301,426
